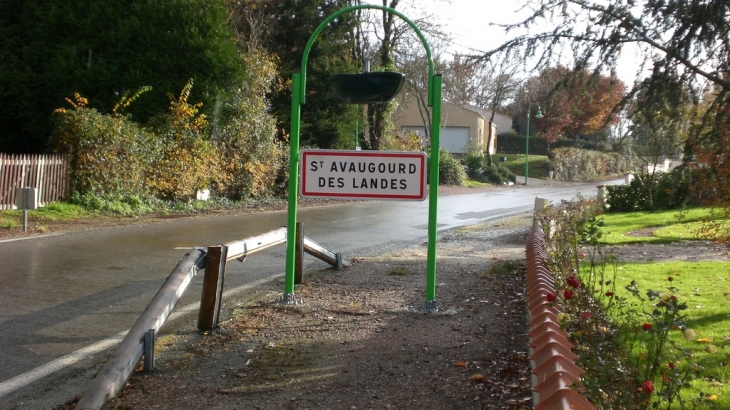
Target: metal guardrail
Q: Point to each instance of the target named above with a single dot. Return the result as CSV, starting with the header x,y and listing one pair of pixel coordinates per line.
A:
x,y
114,375
139,341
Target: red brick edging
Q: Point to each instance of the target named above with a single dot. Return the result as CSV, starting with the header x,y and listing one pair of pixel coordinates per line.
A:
x,y
553,362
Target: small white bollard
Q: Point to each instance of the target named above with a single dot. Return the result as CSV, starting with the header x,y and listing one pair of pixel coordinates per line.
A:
x,y
628,178
202,194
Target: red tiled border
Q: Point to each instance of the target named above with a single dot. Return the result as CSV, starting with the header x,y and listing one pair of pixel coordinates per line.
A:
x,y
553,362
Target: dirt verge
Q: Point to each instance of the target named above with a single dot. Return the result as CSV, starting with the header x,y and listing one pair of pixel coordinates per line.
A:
x,y
360,339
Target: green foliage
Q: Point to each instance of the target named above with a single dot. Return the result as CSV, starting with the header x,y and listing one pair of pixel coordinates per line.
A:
x,y
184,160
475,158
50,49
539,165
394,142
514,143
620,342
327,122
252,160
108,153
12,219
668,225
572,164
112,157
496,174
478,170
670,190
451,172
124,205
8,224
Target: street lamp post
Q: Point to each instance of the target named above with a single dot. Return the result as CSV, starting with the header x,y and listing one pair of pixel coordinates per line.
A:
x,y
527,140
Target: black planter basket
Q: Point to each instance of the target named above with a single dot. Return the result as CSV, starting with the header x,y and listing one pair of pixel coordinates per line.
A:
x,y
367,88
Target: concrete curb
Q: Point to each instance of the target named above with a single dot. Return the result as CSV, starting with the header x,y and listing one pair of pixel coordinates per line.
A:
x,y
553,362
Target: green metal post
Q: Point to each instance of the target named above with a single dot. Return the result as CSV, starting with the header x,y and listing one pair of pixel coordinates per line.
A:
x,y
299,85
435,94
527,140
291,227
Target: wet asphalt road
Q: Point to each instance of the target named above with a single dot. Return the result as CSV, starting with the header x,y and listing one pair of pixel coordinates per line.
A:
x,y
59,294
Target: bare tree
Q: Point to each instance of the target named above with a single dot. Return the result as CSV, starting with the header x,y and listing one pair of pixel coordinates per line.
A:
x,y
397,46
500,85
682,43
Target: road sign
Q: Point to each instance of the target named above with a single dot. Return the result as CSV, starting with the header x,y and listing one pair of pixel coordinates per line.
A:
x,y
363,175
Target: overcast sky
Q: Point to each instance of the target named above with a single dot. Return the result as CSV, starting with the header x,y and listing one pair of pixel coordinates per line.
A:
x,y
468,23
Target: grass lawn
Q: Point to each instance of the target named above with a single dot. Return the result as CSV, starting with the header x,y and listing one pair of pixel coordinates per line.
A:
x,y
703,286
537,167
671,225
54,211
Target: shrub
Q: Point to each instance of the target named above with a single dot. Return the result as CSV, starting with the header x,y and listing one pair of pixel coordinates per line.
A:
x,y
184,159
574,164
109,154
620,343
506,173
490,174
474,164
252,160
495,174
650,192
451,172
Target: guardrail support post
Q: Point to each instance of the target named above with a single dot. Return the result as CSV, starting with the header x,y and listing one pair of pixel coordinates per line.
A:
x,y
338,258
540,205
210,301
299,254
149,350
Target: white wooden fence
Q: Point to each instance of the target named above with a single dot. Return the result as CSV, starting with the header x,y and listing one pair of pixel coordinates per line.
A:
x,y
47,173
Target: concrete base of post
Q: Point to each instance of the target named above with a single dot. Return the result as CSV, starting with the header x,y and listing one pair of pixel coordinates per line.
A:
x,y
290,299
430,306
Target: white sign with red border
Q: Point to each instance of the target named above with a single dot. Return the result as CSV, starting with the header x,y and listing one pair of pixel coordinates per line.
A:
x,y
363,175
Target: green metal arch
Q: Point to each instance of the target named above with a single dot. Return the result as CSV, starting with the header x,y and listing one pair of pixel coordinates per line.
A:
x,y
434,100
315,34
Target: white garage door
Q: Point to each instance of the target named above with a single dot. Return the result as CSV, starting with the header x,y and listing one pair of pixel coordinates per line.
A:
x,y
455,139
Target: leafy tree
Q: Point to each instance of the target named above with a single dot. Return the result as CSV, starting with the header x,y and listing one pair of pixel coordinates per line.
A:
x,y
51,49
679,41
253,158
574,103
282,28
184,160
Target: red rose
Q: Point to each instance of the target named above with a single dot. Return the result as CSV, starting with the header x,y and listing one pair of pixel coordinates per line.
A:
x,y
646,326
585,315
573,281
671,365
609,294
567,294
648,387
551,297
